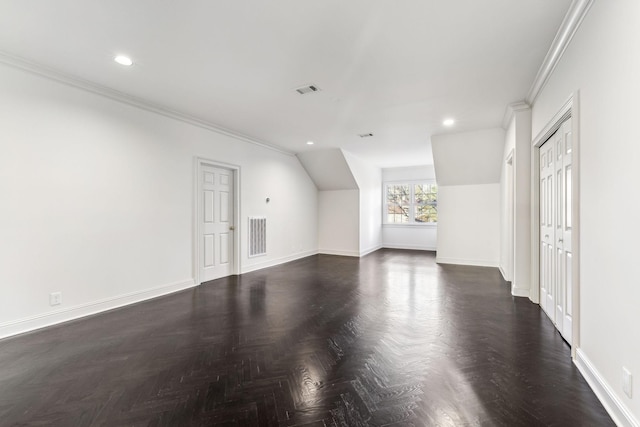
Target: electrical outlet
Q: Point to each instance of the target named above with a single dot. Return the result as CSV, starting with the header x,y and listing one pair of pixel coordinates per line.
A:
x,y
626,382
55,298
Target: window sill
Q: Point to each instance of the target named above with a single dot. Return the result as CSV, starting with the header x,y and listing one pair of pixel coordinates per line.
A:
x,y
412,225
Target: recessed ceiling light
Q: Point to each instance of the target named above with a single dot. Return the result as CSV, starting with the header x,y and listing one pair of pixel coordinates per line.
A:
x,y
448,122
309,142
123,60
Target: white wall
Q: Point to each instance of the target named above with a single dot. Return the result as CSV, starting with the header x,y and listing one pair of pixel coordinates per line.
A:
x,y
411,173
97,201
418,237
516,208
338,222
469,224
602,63
421,237
468,168
467,158
369,179
506,204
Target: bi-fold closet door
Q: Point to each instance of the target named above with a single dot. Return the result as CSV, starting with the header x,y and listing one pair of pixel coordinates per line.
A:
x,y
556,255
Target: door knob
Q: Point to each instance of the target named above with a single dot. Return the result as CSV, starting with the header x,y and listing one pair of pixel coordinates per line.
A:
x,y
231,227
560,240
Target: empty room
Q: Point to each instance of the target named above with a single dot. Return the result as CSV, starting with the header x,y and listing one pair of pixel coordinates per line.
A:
x,y
319,213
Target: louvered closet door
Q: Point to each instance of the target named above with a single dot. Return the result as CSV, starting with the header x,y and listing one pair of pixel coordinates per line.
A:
x,y
216,222
556,256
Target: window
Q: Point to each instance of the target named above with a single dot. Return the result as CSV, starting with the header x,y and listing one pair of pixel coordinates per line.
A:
x,y
411,203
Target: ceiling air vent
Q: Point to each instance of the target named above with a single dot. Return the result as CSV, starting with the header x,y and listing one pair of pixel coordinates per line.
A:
x,y
307,89
365,135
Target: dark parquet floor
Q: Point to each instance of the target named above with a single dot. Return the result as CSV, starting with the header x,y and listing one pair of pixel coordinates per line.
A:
x,y
389,339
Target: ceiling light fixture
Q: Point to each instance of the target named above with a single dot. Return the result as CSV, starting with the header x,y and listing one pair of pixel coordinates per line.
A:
x,y
309,142
448,122
123,60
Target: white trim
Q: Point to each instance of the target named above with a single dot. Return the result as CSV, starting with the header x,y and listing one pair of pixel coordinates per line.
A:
x,y
511,110
278,261
461,261
569,109
504,275
570,24
519,292
510,172
410,224
339,252
86,85
370,250
411,247
235,169
618,411
556,121
32,323
509,159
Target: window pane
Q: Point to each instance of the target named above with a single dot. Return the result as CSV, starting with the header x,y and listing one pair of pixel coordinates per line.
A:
x,y
397,213
425,193
398,194
426,213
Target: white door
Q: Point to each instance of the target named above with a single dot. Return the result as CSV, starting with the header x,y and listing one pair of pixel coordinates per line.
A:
x,y
555,229
564,229
547,276
215,222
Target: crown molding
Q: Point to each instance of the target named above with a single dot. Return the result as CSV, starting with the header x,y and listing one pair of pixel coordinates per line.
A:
x,y
511,109
572,20
88,86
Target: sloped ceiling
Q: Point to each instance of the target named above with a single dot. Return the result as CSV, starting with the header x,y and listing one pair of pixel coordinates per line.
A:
x,y
328,169
392,68
468,158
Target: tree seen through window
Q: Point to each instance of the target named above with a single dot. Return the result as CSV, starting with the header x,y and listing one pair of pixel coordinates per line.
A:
x,y
411,203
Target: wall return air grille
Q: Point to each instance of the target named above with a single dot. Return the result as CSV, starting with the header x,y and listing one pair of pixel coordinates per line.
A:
x,y
257,236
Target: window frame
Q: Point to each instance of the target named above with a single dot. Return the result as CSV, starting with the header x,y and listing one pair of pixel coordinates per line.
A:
x,y
412,205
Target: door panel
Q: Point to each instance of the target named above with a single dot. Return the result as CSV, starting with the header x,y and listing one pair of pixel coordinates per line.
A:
x,y
556,261
547,279
209,250
216,189
566,229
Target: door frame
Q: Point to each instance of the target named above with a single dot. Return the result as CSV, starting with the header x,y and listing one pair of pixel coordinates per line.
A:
x,y
568,109
510,216
197,205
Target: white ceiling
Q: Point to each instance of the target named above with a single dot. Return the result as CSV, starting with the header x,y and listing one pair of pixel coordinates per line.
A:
x,y
393,68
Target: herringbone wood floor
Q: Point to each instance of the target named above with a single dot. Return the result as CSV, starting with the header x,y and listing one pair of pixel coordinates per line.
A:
x,y
389,339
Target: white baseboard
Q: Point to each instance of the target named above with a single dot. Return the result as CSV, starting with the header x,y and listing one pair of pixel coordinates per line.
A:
x,y
277,261
461,261
411,247
614,406
504,274
338,252
370,250
519,292
66,314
